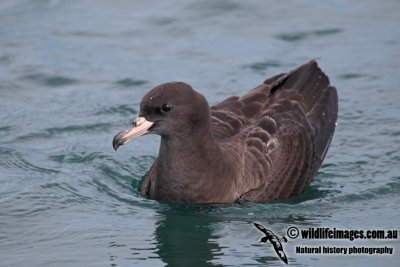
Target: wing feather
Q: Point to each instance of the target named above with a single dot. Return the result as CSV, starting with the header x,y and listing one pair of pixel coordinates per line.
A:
x,y
287,124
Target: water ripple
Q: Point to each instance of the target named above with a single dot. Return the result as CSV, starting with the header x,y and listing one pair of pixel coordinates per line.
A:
x,y
125,177
49,80
78,157
44,198
260,66
12,159
128,82
354,75
6,130
391,188
299,36
123,110
55,131
214,8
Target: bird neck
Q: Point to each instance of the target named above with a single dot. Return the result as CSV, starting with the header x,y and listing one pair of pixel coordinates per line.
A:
x,y
191,149
187,168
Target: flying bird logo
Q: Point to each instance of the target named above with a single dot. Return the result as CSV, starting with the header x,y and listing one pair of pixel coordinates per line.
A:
x,y
274,240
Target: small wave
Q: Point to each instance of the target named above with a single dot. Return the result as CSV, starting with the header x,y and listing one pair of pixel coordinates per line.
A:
x,y
373,193
354,75
115,192
327,31
214,8
5,60
78,157
128,82
83,34
49,80
127,175
47,197
311,192
299,36
55,131
123,110
390,188
260,66
12,159
162,21
121,180
348,76
6,130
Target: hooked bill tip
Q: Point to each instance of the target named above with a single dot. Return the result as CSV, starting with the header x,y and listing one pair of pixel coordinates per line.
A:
x,y
116,143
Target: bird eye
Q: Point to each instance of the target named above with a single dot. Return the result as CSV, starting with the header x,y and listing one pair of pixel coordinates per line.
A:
x,y
166,107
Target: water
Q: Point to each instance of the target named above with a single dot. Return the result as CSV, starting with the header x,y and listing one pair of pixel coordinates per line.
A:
x,y
72,74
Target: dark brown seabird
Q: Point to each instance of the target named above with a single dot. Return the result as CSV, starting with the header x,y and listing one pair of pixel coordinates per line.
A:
x,y
266,145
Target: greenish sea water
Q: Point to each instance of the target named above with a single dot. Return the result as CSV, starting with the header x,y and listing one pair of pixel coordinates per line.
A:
x,y
72,74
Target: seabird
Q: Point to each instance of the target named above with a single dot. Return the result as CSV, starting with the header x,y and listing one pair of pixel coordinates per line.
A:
x,y
265,145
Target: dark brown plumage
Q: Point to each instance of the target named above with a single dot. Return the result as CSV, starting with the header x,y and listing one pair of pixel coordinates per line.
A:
x,y
266,145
